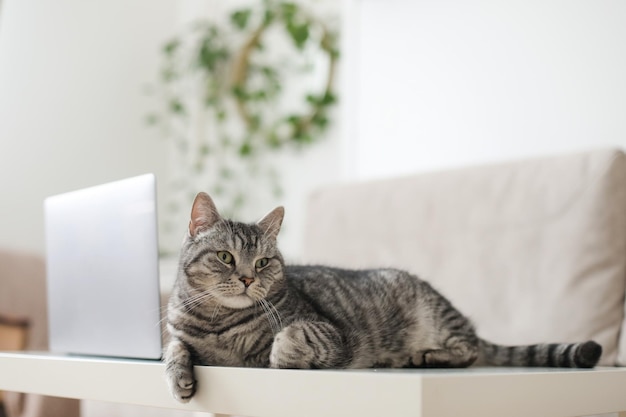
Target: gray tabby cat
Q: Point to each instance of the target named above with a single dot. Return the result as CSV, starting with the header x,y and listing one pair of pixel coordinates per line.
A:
x,y
235,303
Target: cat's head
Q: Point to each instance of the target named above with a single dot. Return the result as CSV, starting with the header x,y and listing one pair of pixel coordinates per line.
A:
x,y
235,264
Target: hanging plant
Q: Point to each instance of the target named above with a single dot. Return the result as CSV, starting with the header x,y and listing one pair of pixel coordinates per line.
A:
x,y
223,91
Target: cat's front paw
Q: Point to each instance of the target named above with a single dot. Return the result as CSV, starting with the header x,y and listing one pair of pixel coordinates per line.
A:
x,y
290,348
181,382
179,372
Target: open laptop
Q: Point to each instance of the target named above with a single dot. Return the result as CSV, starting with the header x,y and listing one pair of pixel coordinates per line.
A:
x,y
102,270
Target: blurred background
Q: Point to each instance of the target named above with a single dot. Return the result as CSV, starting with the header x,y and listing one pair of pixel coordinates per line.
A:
x,y
421,85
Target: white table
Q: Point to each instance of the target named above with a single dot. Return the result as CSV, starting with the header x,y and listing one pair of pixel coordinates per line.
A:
x,y
485,392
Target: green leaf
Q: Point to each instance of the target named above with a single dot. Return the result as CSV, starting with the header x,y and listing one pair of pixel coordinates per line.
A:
x,y
299,33
328,99
239,92
294,119
288,10
240,18
268,17
213,31
210,54
259,95
269,72
302,138
273,141
312,99
170,47
176,106
320,121
246,149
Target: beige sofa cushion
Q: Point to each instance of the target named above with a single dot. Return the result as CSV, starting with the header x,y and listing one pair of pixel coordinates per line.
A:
x,y
532,251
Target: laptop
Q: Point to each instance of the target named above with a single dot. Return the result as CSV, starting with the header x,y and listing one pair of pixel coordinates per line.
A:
x,y
102,270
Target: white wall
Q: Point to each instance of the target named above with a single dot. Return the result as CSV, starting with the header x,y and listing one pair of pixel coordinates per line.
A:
x,y
71,101
440,83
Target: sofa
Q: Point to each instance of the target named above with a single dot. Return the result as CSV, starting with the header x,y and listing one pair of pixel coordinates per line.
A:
x,y
531,250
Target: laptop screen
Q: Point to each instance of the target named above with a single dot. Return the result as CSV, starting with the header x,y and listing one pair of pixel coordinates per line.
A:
x,y
102,270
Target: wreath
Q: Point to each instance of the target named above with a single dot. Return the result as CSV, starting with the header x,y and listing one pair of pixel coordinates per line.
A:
x,y
221,90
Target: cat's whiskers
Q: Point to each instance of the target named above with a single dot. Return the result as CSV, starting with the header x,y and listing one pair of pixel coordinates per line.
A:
x,y
277,314
267,316
272,314
197,299
163,315
216,311
270,317
187,304
194,299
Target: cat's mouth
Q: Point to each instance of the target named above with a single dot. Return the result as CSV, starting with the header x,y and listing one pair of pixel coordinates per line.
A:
x,y
255,291
238,301
243,296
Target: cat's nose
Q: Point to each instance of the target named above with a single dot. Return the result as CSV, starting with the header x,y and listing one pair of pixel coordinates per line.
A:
x,y
246,281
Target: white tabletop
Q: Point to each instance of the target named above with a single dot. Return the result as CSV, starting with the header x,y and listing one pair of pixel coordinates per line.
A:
x,y
274,393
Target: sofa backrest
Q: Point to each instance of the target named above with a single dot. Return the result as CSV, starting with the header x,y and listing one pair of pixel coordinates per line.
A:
x,y
533,251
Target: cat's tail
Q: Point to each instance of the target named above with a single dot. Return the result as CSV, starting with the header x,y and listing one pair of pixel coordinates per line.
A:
x,y
562,355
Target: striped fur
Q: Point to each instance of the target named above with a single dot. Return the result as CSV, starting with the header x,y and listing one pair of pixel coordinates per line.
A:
x,y
235,303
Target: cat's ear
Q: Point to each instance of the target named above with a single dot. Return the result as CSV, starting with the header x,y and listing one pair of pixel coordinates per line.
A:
x,y
203,214
270,224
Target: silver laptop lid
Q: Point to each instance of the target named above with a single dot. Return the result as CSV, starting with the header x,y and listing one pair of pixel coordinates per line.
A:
x,y
102,270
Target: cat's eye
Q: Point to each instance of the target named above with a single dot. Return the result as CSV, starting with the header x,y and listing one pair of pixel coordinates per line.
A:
x,y
261,263
225,257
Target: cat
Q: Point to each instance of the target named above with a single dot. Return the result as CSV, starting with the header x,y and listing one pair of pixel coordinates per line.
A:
x,y
236,303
